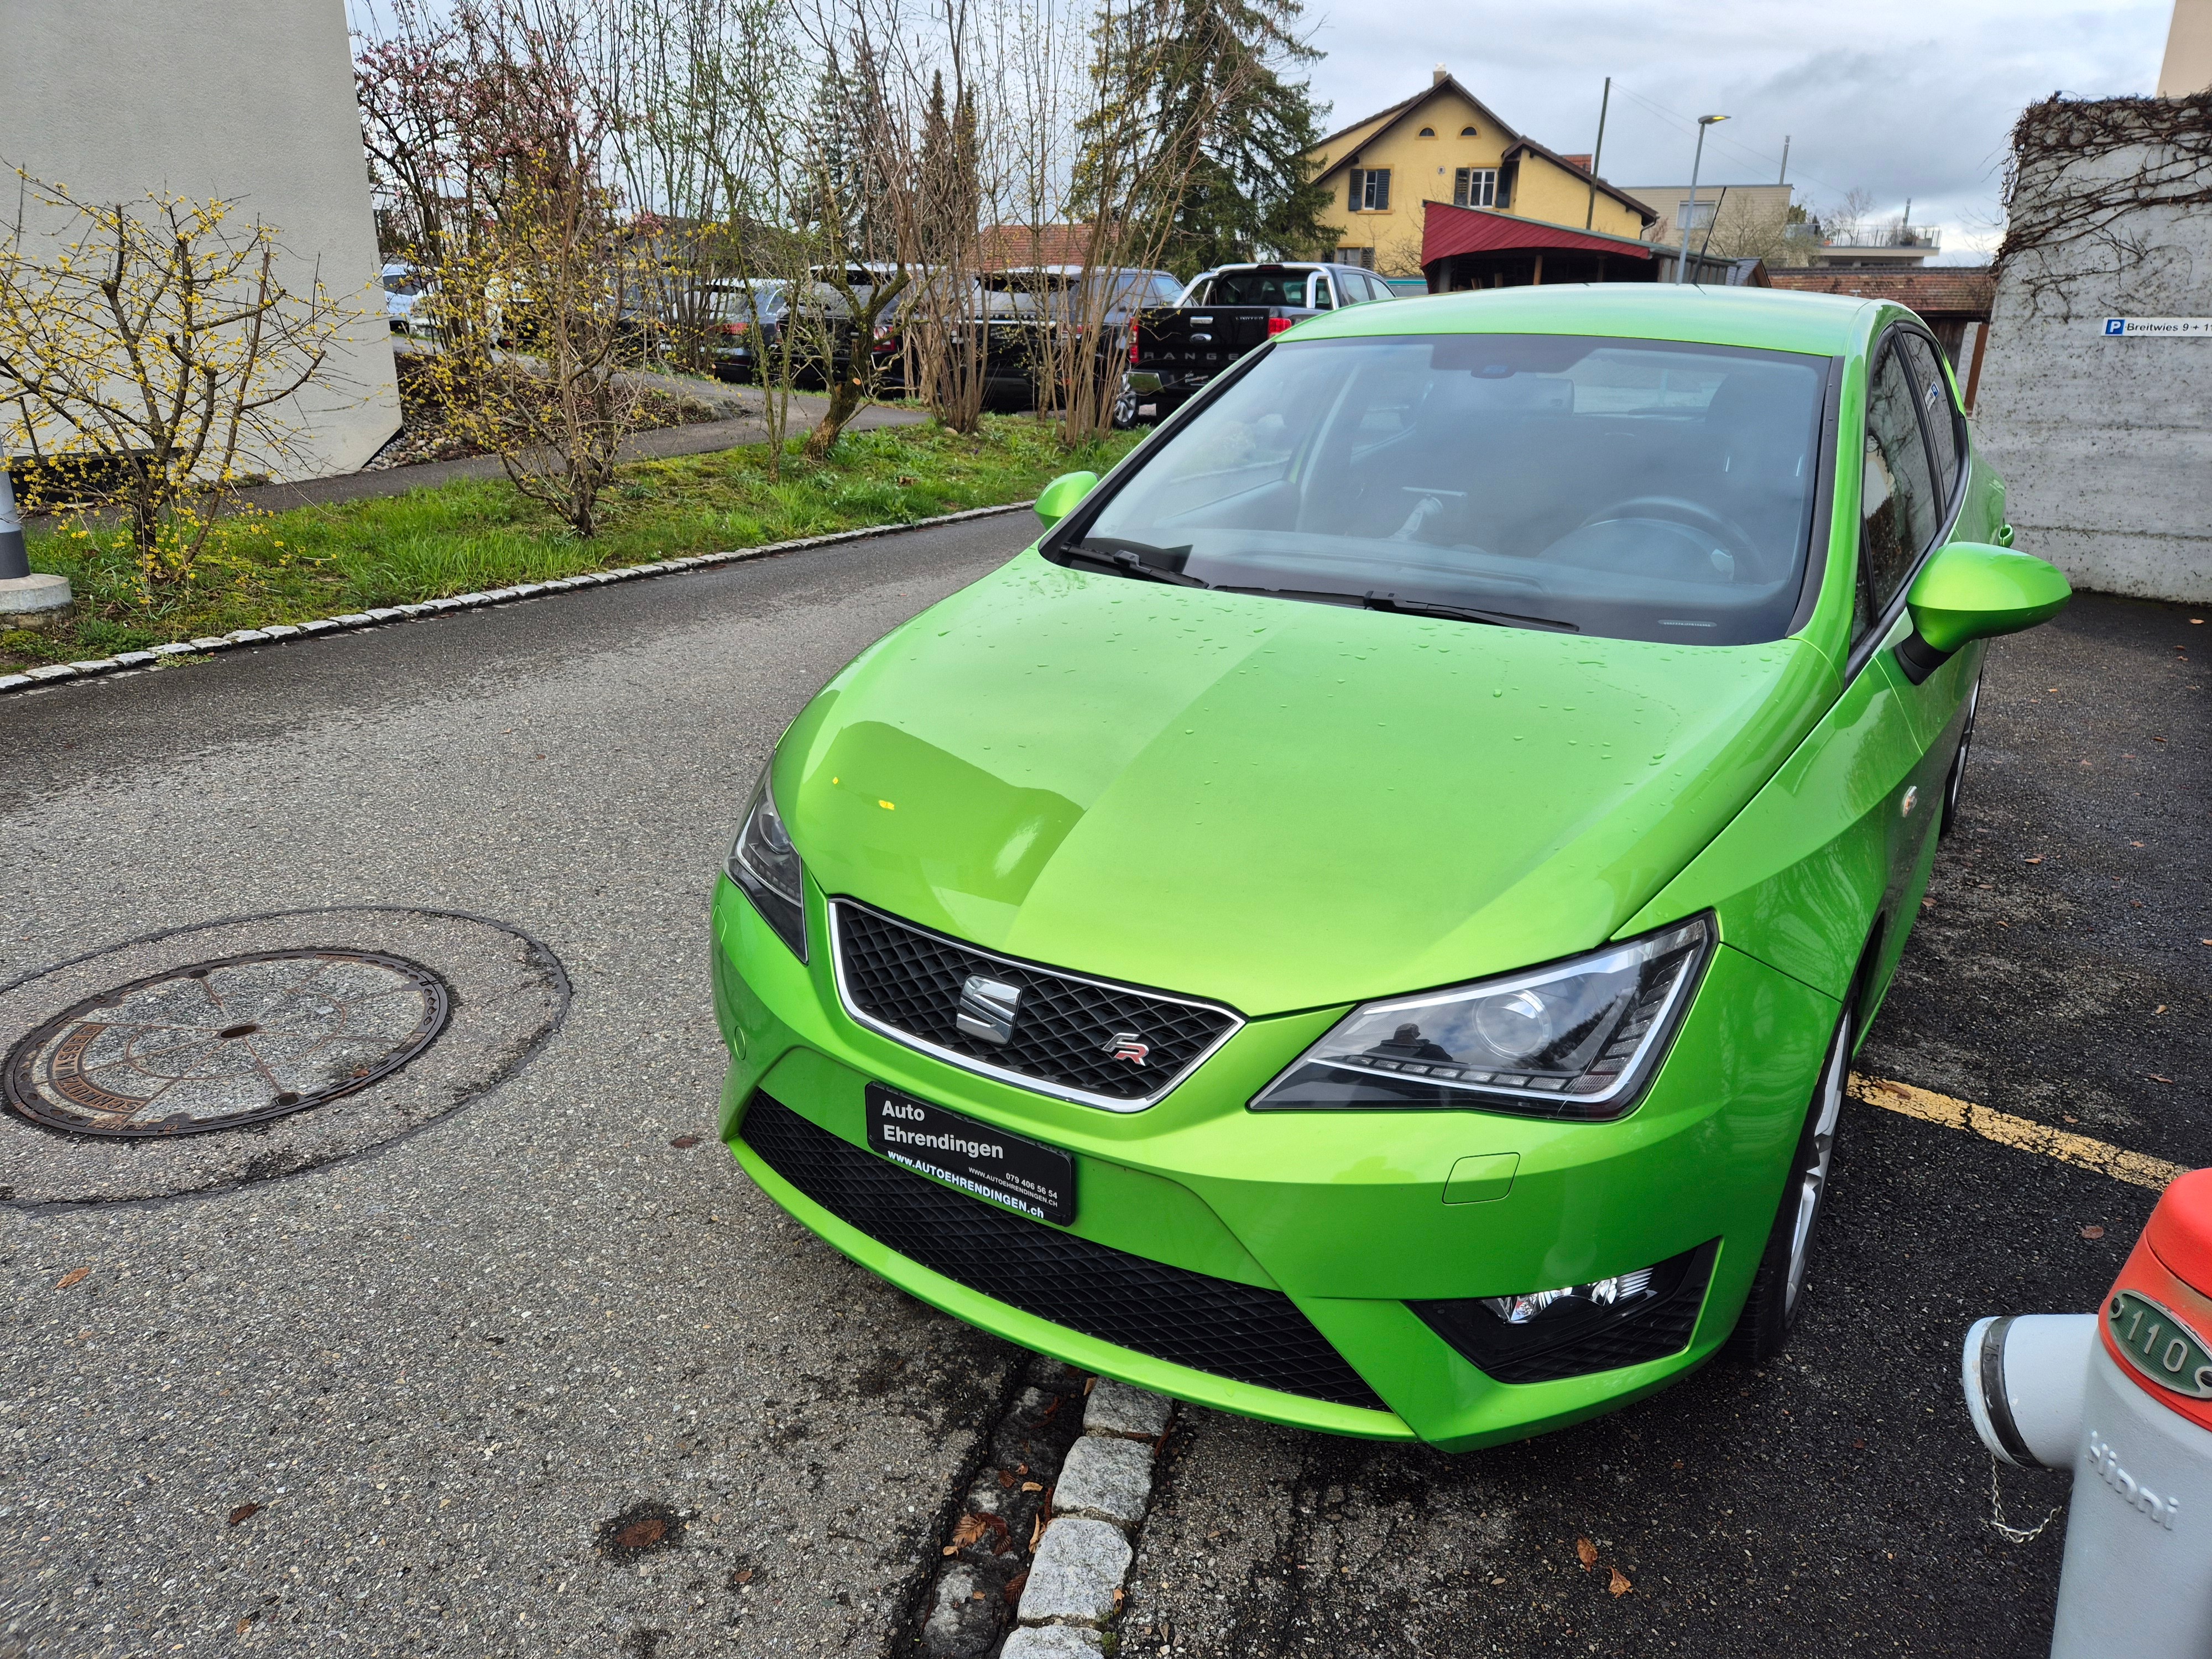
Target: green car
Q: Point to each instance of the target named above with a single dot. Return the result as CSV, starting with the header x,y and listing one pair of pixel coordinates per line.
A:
x,y
1366,922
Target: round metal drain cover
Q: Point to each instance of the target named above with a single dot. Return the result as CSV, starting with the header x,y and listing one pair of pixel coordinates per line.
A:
x,y
239,1040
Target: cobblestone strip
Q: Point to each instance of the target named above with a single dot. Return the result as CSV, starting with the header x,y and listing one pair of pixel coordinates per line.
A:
x,y
1034,1566
1074,1585
160,655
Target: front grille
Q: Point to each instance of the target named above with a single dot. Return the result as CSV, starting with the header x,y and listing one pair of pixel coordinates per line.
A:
x,y
1215,1325
1651,1333
906,983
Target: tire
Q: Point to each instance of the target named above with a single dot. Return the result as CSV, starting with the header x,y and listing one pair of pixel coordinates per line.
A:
x,y
1957,778
1126,404
1777,1289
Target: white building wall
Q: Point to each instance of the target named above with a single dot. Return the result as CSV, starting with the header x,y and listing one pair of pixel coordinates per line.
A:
x,y
252,101
2105,445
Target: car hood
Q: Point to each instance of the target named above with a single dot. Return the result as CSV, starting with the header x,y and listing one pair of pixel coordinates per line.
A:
x,y
1279,804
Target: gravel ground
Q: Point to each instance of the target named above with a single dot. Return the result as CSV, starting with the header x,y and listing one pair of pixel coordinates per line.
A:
x,y
1837,1502
531,1379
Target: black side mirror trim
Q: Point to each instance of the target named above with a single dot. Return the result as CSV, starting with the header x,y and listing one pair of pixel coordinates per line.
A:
x,y
1919,659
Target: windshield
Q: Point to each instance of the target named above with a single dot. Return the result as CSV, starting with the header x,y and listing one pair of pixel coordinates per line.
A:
x,y
1256,288
1635,489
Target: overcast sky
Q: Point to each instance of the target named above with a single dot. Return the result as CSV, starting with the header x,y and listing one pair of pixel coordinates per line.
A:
x,y
1902,98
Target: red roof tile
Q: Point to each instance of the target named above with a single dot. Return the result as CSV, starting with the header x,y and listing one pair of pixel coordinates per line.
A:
x,y
1942,291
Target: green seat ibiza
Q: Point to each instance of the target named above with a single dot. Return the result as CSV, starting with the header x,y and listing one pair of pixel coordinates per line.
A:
x,y
1365,923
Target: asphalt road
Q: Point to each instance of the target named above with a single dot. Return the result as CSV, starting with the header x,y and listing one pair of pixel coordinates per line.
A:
x,y
442,1368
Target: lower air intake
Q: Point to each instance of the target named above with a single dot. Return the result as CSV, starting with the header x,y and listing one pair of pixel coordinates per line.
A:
x,y
1216,1325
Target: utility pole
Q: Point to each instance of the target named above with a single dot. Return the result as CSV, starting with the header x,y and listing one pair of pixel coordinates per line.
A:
x,y
1690,208
1784,178
1597,153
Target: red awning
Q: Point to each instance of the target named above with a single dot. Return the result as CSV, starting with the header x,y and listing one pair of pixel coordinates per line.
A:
x,y
1446,230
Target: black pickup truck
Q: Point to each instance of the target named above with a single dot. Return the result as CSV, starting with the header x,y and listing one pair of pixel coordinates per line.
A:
x,y
1223,314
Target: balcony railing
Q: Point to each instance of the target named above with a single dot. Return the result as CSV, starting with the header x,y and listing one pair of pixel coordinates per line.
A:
x,y
1927,236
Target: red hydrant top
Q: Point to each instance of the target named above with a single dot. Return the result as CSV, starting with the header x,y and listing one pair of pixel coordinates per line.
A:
x,y
2157,1321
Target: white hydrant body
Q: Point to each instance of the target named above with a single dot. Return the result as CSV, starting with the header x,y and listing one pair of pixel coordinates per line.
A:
x,y
2123,1397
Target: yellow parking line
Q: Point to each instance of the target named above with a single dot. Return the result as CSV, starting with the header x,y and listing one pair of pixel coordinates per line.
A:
x,y
2016,1132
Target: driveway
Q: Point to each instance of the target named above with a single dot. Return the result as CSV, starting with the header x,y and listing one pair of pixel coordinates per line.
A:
x,y
447,1393
441,1368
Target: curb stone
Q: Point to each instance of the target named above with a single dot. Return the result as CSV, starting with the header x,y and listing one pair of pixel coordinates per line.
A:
x,y
1076,1578
160,656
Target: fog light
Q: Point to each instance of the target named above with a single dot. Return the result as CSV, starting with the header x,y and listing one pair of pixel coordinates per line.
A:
x,y
1540,1336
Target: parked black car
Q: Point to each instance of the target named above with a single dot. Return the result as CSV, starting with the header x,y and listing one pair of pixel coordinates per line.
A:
x,y
1223,315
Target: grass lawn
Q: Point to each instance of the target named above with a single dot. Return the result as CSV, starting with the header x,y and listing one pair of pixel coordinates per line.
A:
x,y
474,535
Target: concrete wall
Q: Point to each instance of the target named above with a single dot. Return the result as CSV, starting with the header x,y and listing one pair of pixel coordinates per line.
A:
x,y
2105,444
247,100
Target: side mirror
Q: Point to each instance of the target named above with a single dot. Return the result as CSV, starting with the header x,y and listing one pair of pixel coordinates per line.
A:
x,y
1058,499
1971,590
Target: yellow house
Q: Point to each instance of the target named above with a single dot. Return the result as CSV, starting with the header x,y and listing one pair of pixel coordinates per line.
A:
x,y
1445,145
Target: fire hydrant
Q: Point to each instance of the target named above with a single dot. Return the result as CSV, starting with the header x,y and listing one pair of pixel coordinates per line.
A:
x,y
2123,1397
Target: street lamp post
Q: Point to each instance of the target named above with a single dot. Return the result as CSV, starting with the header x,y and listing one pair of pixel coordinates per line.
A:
x,y
1690,212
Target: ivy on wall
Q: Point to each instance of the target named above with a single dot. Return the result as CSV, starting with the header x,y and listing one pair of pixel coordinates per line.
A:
x,y
2082,174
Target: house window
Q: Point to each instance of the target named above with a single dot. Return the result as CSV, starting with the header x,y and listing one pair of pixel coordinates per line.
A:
x,y
1362,257
1428,132
1695,215
1474,187
1467,132
1371,190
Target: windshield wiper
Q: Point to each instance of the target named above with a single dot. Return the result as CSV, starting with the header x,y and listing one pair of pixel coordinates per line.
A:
x,y
1391,602
1129,560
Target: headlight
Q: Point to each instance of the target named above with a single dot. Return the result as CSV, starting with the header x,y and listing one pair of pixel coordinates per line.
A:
x,y
765,865
1579,1039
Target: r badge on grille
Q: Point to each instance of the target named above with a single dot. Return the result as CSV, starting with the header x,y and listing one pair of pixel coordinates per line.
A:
x,y
1124,1045
987,1007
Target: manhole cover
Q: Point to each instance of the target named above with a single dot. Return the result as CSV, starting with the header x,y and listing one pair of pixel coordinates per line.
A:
x,y
239,1040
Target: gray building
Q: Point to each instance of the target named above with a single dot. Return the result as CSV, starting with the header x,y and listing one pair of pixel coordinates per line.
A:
x,y
250,100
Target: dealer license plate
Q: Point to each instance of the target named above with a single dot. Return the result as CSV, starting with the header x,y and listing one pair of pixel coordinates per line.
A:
x,y
1037,1180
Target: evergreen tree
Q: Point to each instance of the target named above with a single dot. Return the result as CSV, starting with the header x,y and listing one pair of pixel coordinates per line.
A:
x,y
1221,68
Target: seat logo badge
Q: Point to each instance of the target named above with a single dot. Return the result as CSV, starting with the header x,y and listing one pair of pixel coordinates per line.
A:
x,y
1124,1045
987,1007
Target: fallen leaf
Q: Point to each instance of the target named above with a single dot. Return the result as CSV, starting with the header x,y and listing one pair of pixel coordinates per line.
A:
x,y
976,1596
744,1576
2159,1009
1014,1587
949,1549
1037,1532
243,1513
244,1625
1032,1486
1006,1478
2038,858
2135,843
2093,1232
1117,1595
1586,1552
77,1275
1497,1581
1021,1468
1089,1384
684,1140
967,1529
1619,1586
2155,1078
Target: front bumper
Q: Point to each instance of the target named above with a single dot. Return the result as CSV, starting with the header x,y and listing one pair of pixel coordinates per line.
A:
x,y
1341,1212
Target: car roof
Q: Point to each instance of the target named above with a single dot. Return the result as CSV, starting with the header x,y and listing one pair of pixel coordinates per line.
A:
x,y
1825,324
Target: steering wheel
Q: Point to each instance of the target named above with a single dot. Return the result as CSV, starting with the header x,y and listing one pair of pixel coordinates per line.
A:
x,y
1680,511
